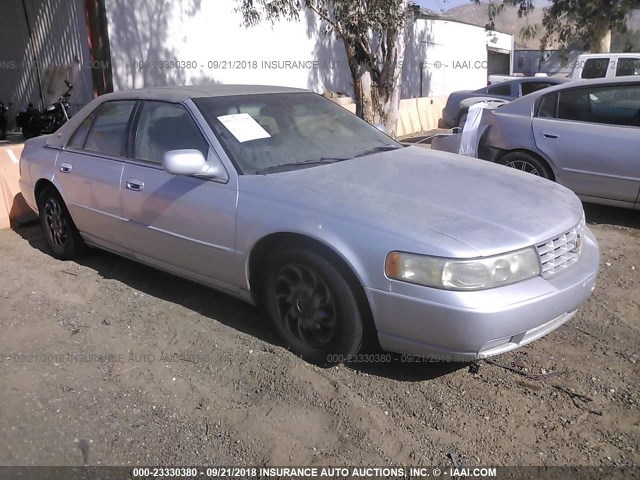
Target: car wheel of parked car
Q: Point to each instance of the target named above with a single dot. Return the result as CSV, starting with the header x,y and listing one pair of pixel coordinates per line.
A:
x,y
527,163
312,306
27,133
58,228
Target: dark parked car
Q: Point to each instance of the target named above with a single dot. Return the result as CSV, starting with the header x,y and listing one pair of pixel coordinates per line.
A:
x,y
459,102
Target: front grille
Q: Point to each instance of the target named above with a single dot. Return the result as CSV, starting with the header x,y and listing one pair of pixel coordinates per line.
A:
x,y
561,252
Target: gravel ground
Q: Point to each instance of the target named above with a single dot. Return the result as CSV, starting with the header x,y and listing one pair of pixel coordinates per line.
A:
x,y
106,362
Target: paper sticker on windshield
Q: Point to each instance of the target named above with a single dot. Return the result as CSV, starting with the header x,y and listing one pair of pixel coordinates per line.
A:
x,y
243,127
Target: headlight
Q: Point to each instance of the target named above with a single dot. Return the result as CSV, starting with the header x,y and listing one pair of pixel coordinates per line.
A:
x,y
451,274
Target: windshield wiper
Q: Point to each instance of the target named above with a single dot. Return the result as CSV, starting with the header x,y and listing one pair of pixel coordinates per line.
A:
x,y
311,161
383,148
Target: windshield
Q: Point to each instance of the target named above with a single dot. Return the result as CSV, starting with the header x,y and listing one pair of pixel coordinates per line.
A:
x,y
268,133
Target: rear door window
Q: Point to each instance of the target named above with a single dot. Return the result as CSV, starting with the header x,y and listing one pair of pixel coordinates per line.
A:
x,y
547,107
628,67
530,87
109,129
500,89
595,68
80,135
609,105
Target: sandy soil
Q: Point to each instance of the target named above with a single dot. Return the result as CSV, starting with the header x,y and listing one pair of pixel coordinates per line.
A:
x,y
103,361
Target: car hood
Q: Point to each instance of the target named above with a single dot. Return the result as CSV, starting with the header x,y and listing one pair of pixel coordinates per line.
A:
x,y
420,194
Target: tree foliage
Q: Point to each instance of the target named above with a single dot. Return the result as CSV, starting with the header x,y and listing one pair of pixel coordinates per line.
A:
x,y
587,23
374,36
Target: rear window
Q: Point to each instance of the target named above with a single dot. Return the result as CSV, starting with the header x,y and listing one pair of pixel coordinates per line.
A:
x,y
500,89
530,87
595,68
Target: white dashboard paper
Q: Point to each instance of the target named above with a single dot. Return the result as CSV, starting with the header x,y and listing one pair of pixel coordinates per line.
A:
x,y
243,127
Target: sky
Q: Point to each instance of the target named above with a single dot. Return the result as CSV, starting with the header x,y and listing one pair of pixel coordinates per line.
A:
x,y
438,5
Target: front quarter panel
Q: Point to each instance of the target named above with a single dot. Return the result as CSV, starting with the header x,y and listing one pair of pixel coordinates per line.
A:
x,y
361,245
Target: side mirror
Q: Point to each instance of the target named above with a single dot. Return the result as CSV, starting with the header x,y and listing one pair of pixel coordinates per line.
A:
x,y
192,163
382,128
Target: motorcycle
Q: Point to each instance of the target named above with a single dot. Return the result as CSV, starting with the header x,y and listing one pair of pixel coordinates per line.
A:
x,y
3,120
34,123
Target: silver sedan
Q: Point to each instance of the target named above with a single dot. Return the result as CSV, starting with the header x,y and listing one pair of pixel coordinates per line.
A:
x,y
583,134
286,200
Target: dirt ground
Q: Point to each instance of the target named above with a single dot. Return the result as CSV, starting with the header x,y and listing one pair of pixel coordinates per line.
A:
x,y
106,362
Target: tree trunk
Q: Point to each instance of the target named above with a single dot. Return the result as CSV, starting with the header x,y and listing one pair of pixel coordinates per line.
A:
x,y
602,40
391,79
377,88
365,91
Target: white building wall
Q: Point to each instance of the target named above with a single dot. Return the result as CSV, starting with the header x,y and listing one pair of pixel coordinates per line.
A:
x,y
212,46
218,48
455,56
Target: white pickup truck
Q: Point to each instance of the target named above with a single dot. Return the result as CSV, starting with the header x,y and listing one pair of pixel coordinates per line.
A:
x,y
606,65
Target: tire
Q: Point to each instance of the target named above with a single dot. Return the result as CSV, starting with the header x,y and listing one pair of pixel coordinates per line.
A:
x,y
58,229
27,133
527,163
462,121
312,307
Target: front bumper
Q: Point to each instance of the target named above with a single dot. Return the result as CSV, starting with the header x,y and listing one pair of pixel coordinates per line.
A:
x,y
464,326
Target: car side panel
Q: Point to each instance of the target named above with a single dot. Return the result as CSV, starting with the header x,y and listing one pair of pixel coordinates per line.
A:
x,y
181,223
90,186
594,159
509,132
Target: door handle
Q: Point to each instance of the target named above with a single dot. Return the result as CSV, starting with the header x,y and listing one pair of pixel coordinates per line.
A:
x,y
135,184
549,135
65,167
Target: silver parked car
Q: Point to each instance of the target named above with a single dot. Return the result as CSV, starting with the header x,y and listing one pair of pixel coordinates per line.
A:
x,y
584,134
284,199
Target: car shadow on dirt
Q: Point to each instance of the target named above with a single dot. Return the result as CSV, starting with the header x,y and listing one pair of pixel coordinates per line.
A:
x,y
232,312
623,217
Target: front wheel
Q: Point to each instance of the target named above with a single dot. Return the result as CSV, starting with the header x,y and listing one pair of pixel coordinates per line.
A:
x,y
59,231
312,307
526,162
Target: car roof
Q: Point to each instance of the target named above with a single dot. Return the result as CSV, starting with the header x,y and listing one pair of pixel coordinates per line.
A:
x,y
556,80
182,93
168,94
523,105
608,55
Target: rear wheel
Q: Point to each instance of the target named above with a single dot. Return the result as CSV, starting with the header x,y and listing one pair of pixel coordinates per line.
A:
x,y
28,133
58,229
526,162
312,307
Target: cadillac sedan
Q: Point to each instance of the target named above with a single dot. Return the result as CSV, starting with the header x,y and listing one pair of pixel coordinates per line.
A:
x,y
288,201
